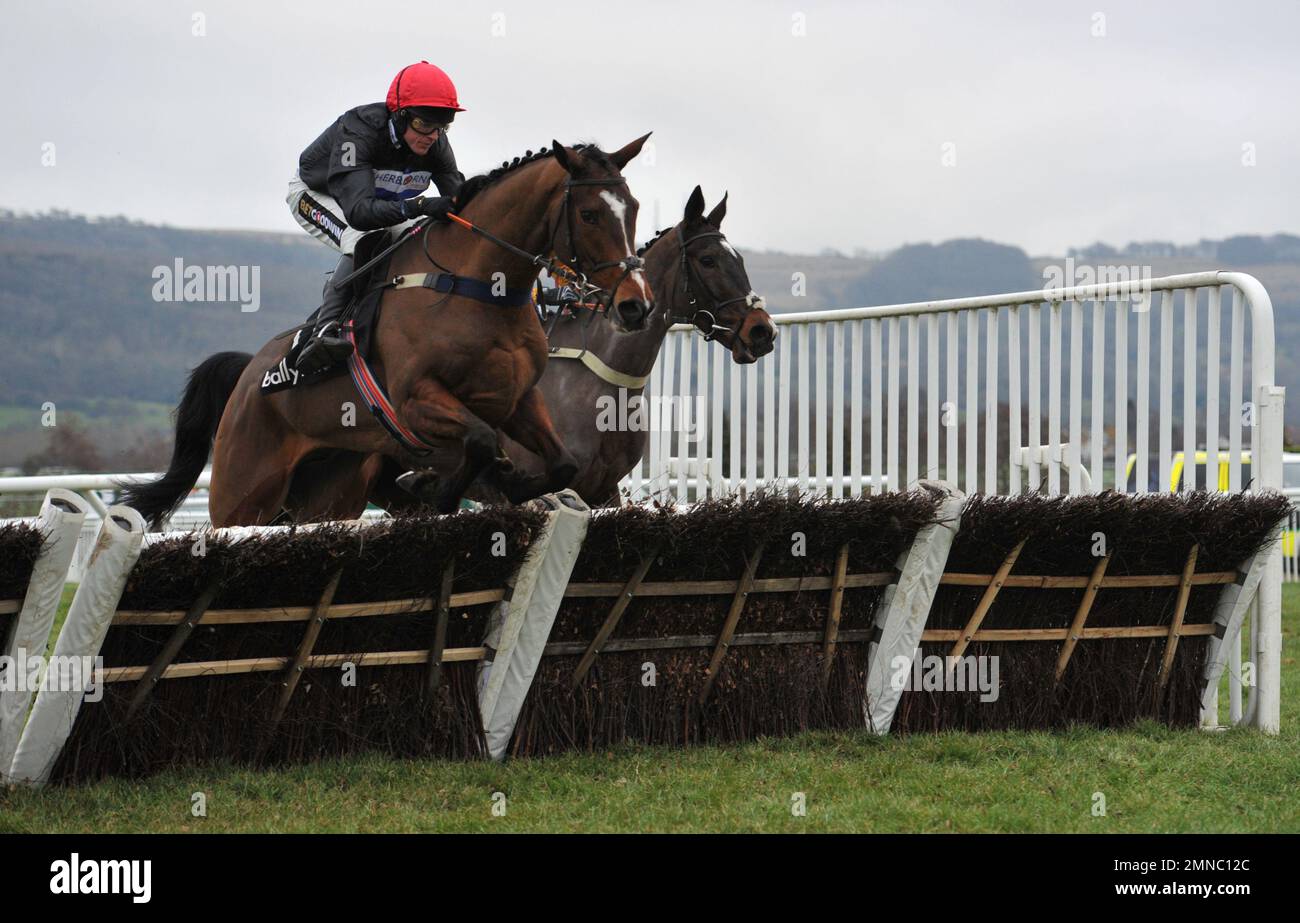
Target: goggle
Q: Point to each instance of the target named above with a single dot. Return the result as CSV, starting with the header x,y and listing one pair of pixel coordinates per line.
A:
x,y
423,126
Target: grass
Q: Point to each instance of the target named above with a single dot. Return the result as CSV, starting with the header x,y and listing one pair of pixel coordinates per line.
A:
x,y
1152,779
69,590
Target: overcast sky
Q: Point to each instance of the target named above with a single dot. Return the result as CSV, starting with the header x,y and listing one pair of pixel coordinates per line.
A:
x,y
1062,122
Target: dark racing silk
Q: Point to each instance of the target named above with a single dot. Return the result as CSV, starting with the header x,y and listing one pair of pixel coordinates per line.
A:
x,y
361,162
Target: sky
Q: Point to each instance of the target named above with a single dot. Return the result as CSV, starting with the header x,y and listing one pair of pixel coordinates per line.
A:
x,y
853,126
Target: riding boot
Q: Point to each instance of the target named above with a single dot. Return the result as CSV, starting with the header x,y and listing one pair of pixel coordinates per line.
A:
x,y
327,346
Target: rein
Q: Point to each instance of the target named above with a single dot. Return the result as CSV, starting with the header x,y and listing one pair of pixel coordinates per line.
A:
x,y
556,268
450,283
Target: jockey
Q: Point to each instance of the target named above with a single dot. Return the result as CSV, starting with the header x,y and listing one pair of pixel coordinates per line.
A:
x,y
365,172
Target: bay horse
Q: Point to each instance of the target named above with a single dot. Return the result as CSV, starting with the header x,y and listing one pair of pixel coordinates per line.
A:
x,y
456,369
698,278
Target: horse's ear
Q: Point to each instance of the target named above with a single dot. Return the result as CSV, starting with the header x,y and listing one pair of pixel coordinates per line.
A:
x,y
694,206
561,155
623,155
719,211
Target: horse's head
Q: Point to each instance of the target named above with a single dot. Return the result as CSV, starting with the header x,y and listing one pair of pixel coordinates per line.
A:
x,y
594,226
711,289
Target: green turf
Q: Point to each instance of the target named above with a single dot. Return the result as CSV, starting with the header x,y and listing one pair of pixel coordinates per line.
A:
x,y
1153,780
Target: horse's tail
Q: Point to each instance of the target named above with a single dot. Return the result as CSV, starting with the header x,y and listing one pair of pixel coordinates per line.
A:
x,y
197,416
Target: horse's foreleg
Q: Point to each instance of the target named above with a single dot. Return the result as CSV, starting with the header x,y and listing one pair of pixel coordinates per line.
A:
x,y
387,495
532,428
336,487
438,416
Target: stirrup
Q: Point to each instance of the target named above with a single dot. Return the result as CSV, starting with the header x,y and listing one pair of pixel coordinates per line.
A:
x,y
323,351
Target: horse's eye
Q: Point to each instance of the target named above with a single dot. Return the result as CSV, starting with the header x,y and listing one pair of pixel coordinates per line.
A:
x,y
588,216
708,261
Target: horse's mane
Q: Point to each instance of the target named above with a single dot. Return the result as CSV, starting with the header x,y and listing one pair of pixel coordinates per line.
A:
x,y
476,184
640,251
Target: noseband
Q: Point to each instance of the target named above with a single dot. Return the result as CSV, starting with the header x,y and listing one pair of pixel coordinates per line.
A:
x,y
703,318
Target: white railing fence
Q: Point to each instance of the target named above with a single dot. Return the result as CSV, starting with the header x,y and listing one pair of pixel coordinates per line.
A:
x,y
859,399
1050,390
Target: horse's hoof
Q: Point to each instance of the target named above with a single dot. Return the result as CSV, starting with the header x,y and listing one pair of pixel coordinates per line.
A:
x,y
420,484
503,466
417,482
409,482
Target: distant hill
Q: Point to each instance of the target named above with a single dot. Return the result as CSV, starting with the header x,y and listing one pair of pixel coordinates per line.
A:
x,y
83,328
78,299
953,269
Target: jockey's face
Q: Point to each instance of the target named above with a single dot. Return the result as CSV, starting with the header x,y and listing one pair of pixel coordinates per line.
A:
x,y
419,143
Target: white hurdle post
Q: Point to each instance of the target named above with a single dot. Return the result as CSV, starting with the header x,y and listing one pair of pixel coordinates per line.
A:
x,y
116,550
905,606
520,626
1229,614
59,522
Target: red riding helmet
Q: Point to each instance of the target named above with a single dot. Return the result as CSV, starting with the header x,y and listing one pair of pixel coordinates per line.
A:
x,y
422,84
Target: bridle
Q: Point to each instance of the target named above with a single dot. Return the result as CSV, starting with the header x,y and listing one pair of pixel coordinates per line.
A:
x,y
572,266
703,318
568,270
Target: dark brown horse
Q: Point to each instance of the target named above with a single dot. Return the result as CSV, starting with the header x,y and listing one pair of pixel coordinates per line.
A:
x,y
698,278
456,370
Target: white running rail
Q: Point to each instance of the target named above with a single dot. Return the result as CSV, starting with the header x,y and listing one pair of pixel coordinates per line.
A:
x,y
863,399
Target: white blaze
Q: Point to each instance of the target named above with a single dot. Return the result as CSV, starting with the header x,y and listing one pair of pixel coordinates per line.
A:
x,y
619,208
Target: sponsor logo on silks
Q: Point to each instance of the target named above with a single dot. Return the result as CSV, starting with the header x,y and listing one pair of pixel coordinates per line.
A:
x,y
281,375
315,214
76,875
401,184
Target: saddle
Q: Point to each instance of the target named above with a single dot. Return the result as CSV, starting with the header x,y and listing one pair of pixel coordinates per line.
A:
x,y
365,293
359,321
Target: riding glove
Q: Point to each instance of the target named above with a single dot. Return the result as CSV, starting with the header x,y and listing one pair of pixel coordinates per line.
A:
x,y
436,207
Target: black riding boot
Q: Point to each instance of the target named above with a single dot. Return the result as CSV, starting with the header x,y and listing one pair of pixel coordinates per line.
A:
x,y
327,346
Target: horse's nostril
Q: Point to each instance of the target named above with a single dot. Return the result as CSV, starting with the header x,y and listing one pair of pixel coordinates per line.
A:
x,y
762,334
633,311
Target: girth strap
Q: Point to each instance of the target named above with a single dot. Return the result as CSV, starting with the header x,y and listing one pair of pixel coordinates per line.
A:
x,y
598,367
451,284
372,392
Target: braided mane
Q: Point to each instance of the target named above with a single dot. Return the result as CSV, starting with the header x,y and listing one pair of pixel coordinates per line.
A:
x,y
640,251
476,184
